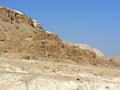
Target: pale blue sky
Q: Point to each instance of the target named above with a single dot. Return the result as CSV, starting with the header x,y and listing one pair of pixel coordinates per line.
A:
x,y
92,22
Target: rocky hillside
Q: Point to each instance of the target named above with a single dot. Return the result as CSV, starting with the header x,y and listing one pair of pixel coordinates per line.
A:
x,y
32,58
20,34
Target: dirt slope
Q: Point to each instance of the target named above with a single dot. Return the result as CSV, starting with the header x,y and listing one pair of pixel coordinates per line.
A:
x,y
45,74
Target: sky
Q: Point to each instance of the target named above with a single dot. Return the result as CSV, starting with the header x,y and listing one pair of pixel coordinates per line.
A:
x,y
92,22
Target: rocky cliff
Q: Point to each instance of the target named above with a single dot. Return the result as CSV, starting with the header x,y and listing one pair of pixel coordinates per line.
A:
x,y
20,34
32,58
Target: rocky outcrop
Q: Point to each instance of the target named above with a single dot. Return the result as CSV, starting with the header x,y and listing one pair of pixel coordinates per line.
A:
x,y
86,47
13,16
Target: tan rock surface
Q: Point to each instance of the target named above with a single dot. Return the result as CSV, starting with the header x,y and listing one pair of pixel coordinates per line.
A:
x,y
19,74
34,59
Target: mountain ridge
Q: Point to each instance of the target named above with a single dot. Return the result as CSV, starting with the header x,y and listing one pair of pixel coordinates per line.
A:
x,y
19,29
20,34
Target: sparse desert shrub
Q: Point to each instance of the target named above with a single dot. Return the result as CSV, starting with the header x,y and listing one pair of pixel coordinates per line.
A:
x,y
5,51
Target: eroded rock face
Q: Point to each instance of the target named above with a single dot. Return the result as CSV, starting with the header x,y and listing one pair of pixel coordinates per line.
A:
x,y
21,34
13,16
10,16
86,47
